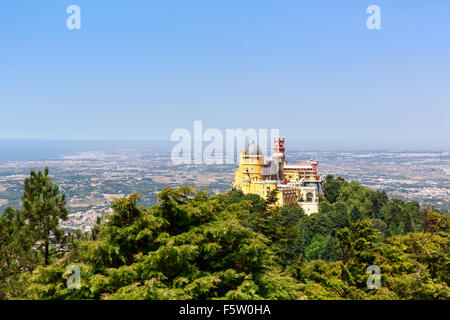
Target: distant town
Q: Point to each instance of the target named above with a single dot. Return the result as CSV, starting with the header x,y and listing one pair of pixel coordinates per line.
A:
x,y
91,180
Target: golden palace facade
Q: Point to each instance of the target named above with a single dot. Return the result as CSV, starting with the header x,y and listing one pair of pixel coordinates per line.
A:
x,y
296,184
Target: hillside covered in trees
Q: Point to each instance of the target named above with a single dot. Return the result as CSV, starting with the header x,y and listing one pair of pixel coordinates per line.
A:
x,y
230,246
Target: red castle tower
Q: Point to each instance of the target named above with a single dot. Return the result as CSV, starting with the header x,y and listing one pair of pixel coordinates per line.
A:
x,y
278,148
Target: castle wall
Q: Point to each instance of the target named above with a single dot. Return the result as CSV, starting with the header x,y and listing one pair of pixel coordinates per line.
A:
x,y
309,207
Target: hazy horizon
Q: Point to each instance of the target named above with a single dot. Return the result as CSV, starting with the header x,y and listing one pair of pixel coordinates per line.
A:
x,y
53,149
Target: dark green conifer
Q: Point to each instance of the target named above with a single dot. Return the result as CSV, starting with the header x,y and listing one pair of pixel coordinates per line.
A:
x,y
43,207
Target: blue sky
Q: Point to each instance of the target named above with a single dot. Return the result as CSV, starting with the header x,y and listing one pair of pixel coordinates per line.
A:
x,y
141,69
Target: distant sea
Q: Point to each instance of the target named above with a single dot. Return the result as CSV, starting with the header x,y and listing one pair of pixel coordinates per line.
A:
x,y
35,150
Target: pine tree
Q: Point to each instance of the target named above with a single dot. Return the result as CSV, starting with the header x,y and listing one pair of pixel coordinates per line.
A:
x,y
43,207
272,197
17,253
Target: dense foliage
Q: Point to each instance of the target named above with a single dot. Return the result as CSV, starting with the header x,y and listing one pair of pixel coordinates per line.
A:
x,y
235,246
27,236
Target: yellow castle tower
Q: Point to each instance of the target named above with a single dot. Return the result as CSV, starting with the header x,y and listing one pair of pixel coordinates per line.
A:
x,y
249,176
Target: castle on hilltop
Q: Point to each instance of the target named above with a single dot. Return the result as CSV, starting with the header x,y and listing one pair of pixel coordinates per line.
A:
x,y
298,183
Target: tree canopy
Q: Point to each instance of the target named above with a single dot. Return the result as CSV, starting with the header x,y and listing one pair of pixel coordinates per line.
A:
x,y
192,245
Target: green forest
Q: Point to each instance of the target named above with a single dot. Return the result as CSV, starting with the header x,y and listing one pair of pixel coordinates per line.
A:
x,y
193,245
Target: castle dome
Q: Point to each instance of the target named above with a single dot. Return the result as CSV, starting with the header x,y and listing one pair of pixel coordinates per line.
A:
x,y
253,149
